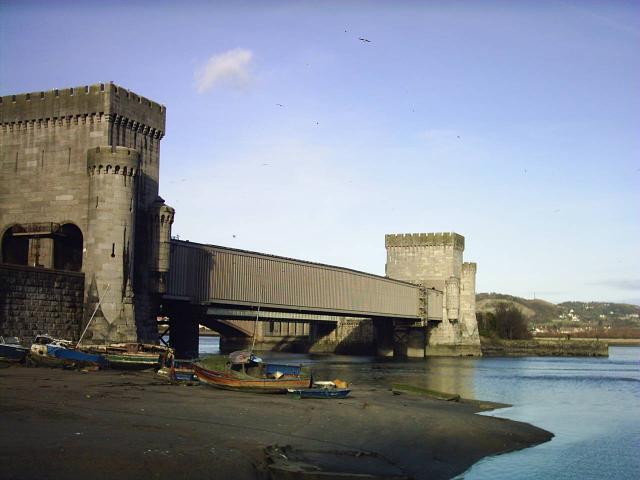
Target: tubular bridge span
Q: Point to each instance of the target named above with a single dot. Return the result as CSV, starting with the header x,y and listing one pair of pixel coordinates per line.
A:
x,y
228,282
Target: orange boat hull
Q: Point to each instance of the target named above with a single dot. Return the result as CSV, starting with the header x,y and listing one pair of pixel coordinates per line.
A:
x,y
229,381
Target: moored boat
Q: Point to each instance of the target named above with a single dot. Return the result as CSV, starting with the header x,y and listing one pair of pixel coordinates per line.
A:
x,y
245,373
319,392
132,356
322,389
11,350
50,351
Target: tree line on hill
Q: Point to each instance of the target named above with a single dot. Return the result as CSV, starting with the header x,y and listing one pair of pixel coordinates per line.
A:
x,y
510,317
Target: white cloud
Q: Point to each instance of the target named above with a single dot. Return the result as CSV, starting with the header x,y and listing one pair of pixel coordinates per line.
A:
x,y
231,68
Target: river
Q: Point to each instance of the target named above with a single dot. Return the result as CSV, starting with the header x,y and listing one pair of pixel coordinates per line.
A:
x,y
592,405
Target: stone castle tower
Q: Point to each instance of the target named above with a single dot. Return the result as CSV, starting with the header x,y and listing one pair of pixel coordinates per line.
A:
x,y
434,260
79,172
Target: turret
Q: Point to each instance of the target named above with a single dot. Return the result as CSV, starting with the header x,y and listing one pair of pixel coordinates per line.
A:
x,y
111,226
161,221
468,298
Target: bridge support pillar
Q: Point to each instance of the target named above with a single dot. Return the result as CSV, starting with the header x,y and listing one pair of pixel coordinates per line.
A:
x,y
184,335
383,337
399,339
408,341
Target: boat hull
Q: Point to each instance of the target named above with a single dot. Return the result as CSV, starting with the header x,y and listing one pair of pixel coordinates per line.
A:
x,y
320,393
228,381
58,356
75,356
133,361
11,353
129,356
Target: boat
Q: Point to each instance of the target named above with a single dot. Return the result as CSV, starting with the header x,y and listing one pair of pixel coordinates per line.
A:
x,y
130,356
247,373
177,370
50,351
318,392
321,389
11,350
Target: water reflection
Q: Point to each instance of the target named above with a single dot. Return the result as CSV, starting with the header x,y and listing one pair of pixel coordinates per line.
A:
x,y
451,375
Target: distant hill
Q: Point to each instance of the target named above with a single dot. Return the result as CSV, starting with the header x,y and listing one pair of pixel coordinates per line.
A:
x,y
540,311
537,311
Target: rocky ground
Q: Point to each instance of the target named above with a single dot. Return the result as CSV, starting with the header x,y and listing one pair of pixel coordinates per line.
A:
x,y
66,424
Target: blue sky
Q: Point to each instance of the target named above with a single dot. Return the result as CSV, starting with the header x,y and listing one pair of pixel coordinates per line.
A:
x,y
515,124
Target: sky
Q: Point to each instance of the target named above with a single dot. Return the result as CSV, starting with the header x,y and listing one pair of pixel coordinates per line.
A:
x,y
310,129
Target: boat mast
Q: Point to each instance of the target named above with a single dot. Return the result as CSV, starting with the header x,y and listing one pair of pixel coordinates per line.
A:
x,y
104,294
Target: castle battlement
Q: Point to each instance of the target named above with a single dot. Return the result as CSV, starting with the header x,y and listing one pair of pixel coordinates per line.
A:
x,y
450,239
117,161
100,99
469,267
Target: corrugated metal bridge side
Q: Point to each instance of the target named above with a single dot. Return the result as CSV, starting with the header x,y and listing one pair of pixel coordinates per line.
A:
x,y
208,274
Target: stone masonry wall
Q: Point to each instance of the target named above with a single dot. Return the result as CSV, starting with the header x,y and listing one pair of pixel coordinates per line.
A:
x,y
350,336
36,300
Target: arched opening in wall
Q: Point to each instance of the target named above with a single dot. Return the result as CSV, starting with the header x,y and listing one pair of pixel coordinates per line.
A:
x,y
67,248
15,249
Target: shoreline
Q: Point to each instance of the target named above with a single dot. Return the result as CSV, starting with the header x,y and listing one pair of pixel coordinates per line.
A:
x,y
544,347
133,424
612,342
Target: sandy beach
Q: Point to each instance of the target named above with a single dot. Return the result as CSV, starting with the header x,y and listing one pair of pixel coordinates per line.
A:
x,y
109,424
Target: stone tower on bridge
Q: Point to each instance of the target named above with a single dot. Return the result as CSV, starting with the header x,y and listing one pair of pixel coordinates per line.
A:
x,y
434,260
79,192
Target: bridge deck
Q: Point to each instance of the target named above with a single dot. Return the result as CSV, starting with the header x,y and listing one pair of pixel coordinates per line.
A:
x,y
208,274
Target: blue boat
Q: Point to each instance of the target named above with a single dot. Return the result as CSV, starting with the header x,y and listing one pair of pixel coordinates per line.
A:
x,y
49,351
11,350
75,356
319,392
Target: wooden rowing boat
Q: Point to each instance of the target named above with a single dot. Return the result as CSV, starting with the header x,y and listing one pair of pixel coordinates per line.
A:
x,y
252,376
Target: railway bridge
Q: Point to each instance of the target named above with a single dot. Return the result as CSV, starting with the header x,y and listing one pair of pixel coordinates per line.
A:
x,y
292,305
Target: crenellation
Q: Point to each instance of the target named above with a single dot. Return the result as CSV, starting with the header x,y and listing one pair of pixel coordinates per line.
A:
x,y
84,100
425,239
469,267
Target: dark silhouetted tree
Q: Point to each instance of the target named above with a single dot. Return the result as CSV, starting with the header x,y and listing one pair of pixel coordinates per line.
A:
x,y
506,322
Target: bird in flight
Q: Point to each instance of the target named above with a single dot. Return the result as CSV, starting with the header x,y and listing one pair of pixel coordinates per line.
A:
x,y
279,104
362,39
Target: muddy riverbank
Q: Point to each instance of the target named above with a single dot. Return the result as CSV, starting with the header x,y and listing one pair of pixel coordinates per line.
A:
x,y
109,424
